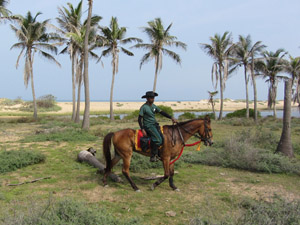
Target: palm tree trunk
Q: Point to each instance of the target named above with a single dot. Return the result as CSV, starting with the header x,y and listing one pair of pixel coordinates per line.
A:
x,y
73,88
77,117
156,72
247,92
221,92
274,101
111,95
285,143
32,86
86,116
254,88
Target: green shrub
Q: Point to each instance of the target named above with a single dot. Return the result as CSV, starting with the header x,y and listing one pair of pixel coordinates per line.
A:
x,y
166,109
141,163
187,116
242,113
67,212
44,103
134,115
9,102
13,160
211,116
241,154
278,211
68,135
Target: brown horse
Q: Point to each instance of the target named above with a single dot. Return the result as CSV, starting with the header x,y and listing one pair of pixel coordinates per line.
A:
x,y
175,137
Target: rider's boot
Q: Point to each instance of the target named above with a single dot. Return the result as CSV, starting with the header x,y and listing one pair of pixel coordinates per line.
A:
x,y
154,153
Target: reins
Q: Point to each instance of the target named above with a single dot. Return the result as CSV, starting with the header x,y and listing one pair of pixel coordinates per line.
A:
x,y
183,142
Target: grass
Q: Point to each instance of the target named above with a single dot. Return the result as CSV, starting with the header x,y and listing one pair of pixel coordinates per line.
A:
x,y
208,193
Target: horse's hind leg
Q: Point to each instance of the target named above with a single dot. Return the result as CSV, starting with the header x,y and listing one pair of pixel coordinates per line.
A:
x,y
171,182
114,161
125,171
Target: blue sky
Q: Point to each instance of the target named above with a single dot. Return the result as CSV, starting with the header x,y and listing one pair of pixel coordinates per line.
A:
x,y
274,22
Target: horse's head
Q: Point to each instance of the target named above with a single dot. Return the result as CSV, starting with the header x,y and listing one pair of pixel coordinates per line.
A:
x,y
205,132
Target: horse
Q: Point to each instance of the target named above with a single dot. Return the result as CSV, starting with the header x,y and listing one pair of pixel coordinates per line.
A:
x,y
175,137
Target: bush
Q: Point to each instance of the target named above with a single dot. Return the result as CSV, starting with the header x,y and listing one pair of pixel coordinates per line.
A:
x,y
239,153
44,104
65,211
211,116
141,163
46,101
278,211
68,135
242,113
166,109
187,116
133,115
13,160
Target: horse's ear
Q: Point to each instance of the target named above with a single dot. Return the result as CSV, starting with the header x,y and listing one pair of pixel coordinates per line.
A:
x,y
207,118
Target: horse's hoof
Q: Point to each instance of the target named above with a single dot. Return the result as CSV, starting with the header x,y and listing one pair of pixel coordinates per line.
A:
x,y
152,187
106,185
177,189
138,190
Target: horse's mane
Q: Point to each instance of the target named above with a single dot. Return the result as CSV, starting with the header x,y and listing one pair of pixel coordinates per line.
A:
x,y
186,122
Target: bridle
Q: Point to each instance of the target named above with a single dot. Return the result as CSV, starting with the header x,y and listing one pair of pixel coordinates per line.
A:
x,y
206,138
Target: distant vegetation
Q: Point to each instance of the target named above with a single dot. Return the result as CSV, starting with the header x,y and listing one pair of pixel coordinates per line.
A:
x,y
242,113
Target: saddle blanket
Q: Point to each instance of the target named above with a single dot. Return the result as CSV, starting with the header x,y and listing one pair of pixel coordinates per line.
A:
x,y
138,142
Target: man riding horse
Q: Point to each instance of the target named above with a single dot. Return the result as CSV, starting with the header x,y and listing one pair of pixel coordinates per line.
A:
x,y
149,125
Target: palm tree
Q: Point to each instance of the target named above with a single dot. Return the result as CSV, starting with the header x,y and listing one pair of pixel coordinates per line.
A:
x,y
33,37
4,12
69,21
292,67
269,67
220,50
159,37
243,52
78,38
86,115
114,36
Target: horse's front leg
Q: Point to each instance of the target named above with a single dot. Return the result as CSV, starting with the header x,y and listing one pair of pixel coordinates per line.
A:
x,y
171,182
166,165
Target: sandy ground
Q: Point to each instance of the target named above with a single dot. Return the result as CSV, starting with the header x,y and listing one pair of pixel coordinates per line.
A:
x,y
229,105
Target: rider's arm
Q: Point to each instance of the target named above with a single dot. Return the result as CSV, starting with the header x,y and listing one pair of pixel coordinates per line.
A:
x,y
168,116
140,120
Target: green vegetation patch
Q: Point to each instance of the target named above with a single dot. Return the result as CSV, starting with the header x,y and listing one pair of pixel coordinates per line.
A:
x,y
65,211
61,135
242,113
13,160
247,150
278,211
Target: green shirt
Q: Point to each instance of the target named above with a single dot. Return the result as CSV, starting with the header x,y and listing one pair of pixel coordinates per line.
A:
x,y
148,114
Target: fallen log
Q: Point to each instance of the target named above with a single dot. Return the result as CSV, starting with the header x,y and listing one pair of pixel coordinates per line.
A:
x,y
89,157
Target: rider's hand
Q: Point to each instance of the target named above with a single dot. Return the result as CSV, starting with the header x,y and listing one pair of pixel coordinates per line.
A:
x,y
174,120
144,133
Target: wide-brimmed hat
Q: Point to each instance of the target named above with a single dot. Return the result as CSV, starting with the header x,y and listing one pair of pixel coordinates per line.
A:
x,y
150,94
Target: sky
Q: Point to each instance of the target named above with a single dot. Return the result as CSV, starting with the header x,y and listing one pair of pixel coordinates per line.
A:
x,y
274,22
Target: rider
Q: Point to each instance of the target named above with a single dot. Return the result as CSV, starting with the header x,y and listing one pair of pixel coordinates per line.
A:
x,y
148,123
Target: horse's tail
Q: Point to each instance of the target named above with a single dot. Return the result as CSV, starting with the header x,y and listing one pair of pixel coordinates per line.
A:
x,y
106,151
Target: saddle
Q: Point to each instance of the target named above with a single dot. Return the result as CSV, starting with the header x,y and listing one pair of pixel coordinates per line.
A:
x,y
143,143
